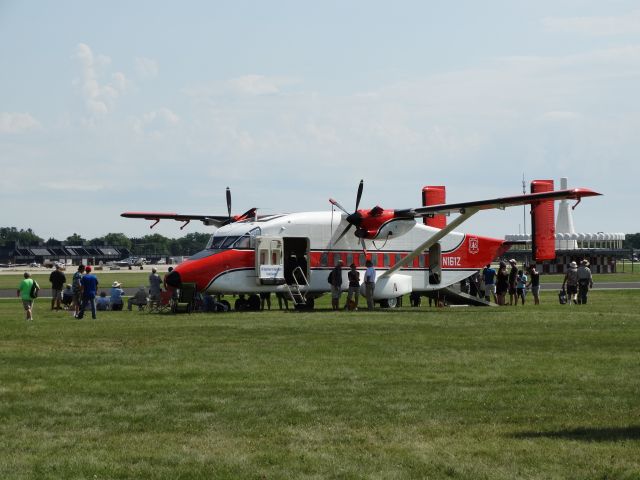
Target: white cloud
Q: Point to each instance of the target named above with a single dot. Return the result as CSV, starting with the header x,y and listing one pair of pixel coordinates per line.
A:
x,y
146,67
99,97
560,116
152,123
14,123
246,85
596,26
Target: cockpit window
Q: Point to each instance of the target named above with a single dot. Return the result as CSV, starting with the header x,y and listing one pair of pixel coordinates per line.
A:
x,y
224,242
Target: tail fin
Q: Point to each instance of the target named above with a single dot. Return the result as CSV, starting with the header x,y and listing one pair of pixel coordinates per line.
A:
x,y
542,223
434,195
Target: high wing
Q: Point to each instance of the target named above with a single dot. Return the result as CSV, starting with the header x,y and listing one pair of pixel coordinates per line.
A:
x,y
468,209
215,220
502,203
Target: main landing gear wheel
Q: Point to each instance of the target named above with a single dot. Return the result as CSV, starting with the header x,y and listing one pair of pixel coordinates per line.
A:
x,y
308,306
390,303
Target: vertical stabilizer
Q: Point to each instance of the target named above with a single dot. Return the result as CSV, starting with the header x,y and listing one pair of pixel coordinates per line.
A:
x,y
434,195
542,223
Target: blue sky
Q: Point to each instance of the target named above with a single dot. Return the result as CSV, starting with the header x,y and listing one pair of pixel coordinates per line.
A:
x,y
128,106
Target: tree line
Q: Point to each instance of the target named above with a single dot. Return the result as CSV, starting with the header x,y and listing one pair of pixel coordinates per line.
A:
x,y
154,244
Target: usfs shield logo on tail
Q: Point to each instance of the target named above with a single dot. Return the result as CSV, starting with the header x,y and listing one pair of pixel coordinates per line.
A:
x,y
474,245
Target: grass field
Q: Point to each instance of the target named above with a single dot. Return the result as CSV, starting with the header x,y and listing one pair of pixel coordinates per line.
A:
x,y
128,279
136,278
534,392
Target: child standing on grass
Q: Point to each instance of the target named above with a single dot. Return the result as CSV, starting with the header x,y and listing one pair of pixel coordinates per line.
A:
x,y
25,292
521,287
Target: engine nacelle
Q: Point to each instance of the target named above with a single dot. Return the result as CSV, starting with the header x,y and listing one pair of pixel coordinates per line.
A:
x,y
390,287
391,229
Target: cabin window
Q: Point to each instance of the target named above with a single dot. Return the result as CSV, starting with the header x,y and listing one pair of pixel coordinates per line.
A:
x,y
385,259
374,260
349,259
324,259
421,261
362,259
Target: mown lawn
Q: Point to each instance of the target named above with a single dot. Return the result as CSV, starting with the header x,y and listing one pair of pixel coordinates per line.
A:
x,y
534,392
128,279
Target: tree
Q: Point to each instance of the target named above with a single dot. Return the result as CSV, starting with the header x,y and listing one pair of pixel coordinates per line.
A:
x,y
96,242
631,240
117,240
21,237
75,239
52,242
189,244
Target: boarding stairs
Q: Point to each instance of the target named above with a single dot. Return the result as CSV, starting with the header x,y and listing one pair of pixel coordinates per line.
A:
x,y
297,289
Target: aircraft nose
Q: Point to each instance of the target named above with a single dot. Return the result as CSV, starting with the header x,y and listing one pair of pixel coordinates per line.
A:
x,y
173,279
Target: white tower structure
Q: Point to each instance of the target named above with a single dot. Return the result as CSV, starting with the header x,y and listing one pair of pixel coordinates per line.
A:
x,y
564,222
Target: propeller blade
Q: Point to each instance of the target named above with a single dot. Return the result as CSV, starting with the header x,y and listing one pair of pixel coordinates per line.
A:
x,y
359,195
229,203
344,232
336,204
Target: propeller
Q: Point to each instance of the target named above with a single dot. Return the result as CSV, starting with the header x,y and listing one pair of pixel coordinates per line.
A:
x,y
354,218
229,203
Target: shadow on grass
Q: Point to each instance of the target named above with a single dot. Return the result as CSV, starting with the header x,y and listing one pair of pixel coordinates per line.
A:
x,y
612,434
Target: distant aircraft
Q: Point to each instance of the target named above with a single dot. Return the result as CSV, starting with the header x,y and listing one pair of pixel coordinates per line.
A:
x,y
292,253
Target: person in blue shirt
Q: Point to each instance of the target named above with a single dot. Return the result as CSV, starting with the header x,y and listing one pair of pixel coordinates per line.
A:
x,y
369,283
489,277
116,296
88,288
102,302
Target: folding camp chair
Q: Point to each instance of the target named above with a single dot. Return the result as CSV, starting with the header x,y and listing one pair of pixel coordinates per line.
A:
x,y
186,298
160,304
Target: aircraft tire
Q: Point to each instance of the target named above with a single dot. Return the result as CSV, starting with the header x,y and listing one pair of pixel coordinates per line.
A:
x,y
308,306
253,303
390,303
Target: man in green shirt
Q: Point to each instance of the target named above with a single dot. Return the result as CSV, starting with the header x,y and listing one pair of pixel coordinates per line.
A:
x,y
24,292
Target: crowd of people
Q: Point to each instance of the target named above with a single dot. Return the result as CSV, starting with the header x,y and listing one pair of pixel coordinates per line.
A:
x,y
494,285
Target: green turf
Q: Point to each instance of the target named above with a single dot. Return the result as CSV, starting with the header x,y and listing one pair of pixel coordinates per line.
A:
x,y
534,392
128,279
137,278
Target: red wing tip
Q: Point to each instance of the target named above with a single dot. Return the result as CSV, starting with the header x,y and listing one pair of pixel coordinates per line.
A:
x,y
586,192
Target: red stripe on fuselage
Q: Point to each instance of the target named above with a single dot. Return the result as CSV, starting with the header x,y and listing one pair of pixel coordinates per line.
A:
x,y
203,271
474,252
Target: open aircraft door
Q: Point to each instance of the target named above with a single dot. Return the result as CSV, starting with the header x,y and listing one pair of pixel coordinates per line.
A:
x,y
435,264
269,261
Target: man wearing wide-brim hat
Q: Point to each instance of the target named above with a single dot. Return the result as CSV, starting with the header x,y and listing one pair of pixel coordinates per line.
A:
x,y
115,301
585,281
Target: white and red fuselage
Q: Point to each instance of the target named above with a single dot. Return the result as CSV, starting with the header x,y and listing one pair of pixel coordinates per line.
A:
x,y
231,264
